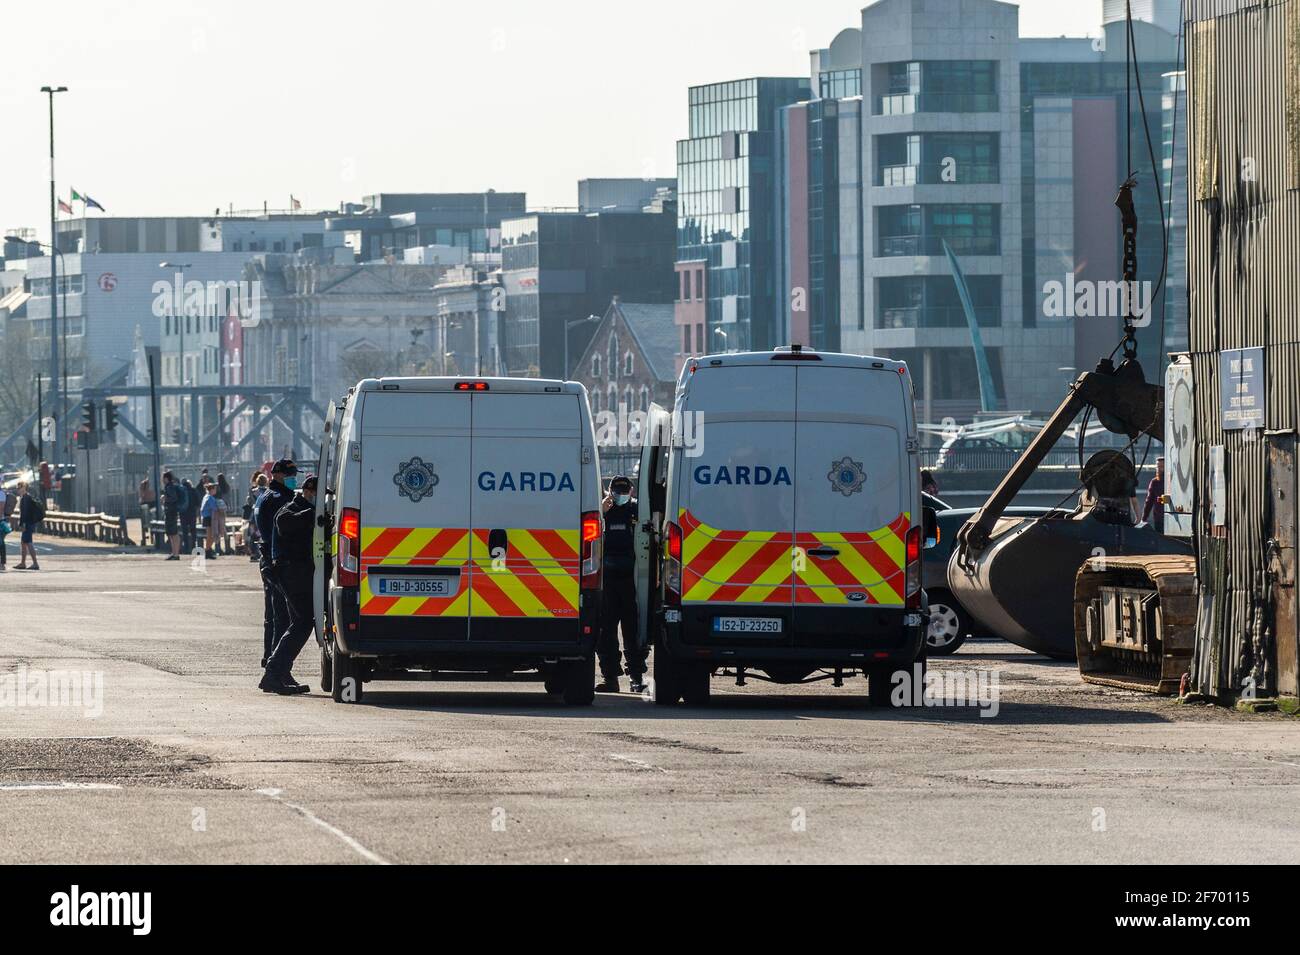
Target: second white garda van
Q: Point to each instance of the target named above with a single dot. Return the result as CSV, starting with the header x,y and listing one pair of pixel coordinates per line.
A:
x,y
793,523
460,535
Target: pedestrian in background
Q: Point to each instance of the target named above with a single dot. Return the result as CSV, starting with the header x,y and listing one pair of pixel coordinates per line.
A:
x,y
8,503
928,484
295,573
1153,508
275,613
251,542
208,511
30,513
189,516
224,490
220,547
173,495
148,504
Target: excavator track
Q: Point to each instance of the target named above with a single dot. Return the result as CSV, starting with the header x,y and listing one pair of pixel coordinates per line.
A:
x,y
1135,621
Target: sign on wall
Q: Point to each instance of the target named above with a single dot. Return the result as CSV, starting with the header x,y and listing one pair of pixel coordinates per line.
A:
x,y
1241,388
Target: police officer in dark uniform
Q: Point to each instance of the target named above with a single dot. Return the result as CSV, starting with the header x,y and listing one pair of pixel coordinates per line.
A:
x,y
277,494
294,567
619,596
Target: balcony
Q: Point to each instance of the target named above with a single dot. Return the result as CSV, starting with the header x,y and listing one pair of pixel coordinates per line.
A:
x,y
901,104
893,245
936,316
932,174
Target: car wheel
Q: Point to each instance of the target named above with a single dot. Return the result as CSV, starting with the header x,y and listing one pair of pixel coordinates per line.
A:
x,y
948,627
345,684
579,682
694,681
667,686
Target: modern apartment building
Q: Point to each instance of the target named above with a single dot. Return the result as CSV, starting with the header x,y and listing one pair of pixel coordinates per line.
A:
x,y
937,128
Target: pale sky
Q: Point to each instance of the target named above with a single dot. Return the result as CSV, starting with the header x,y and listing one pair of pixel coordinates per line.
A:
x,y
176,107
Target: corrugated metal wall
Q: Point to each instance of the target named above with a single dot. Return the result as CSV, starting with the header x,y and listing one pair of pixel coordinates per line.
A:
x,y
1244,288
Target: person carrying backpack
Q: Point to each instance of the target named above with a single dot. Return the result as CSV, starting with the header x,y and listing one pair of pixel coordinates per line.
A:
x,y
30,513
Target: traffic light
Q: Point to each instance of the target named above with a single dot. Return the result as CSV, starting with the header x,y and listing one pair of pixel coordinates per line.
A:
x,y
88,422
110,416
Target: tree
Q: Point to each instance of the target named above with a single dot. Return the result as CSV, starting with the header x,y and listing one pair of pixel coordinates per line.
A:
x,y
17,375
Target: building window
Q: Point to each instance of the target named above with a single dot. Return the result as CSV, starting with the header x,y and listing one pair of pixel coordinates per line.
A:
x,y
699,285
645,398
627,398
627,364
613,356
686,339
699,338
595,366
595,402
612,397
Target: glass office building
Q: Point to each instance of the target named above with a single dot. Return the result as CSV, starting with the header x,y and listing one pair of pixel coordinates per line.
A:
x,y
725,173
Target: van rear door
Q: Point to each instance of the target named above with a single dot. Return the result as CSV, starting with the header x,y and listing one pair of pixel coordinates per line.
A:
x,y
737,501
415,511
852,493
527,517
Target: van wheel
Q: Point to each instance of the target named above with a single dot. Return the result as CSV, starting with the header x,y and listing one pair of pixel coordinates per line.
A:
x,y
667,685
345,685
326,670
880,684
579,682
695,681
553,680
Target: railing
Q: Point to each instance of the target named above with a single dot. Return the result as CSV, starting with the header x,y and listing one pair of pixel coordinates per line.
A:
x,y
234,529
96,527
1001,459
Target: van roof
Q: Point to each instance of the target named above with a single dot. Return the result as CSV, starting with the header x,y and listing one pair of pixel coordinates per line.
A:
x,y
785,354
449,383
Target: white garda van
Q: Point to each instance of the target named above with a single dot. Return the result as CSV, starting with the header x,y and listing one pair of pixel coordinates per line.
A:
x,y
793,523
459,534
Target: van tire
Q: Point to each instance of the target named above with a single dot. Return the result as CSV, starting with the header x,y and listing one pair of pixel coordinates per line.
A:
x,y
553,680
880,685
694,681
667,683
326,670
579,682
343,670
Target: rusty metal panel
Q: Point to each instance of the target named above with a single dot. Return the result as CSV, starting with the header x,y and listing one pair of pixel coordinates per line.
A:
x,y
1281,550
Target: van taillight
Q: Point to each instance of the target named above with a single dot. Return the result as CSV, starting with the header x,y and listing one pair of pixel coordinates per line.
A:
x,y
912,576
592,551
349,550
471,386
673,566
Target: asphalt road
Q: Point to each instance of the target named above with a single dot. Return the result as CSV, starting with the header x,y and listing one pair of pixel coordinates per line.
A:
x,y
182,759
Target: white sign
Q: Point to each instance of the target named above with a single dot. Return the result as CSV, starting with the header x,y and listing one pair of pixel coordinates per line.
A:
x,y
1218,488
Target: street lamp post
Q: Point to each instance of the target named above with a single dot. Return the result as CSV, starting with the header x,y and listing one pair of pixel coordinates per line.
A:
x,y
178,296
569,326
55,404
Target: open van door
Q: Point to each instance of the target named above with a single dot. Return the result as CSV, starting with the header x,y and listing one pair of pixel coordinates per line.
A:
x,y
322,536
651,496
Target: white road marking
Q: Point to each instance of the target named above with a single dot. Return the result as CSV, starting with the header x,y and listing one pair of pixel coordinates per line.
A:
x,y
641,764
23,787
307,814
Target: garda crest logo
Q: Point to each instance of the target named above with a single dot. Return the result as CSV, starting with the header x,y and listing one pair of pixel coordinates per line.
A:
x,y
415,479
847,476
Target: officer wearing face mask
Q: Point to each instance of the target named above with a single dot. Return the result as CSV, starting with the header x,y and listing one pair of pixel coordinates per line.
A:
x,y
284,476
619,597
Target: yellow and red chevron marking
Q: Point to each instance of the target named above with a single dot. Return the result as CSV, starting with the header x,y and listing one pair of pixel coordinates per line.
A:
x,y
537,577
415,547
724,566
872,563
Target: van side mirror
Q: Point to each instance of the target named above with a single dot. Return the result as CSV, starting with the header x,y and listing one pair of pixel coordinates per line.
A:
x,y
930,524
